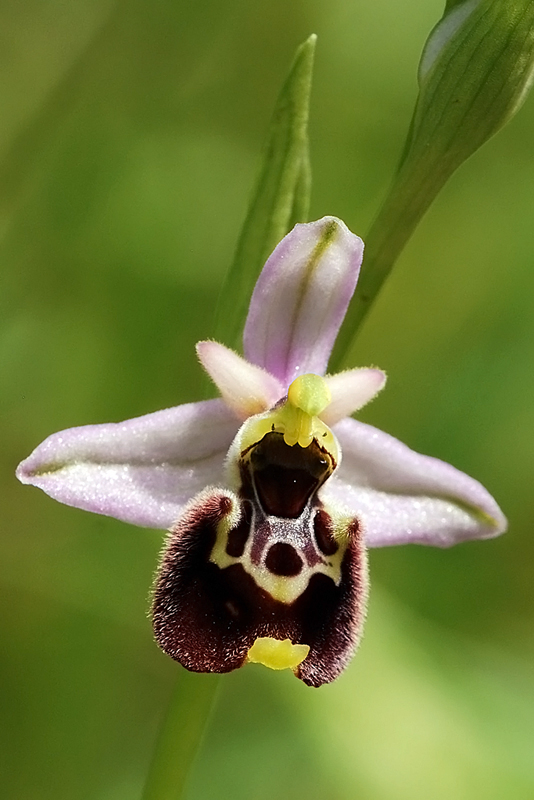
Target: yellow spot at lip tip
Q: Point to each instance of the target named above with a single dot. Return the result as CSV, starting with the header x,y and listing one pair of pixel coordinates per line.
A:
x,y
276,653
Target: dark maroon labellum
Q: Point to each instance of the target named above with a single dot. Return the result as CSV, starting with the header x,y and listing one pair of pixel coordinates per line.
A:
x,y
272,561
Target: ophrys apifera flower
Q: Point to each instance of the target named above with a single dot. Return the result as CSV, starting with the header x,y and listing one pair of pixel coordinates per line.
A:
x,y
272,493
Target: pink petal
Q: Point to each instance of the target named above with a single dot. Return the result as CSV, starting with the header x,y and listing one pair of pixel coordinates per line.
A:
x,y
404,497
141,471
351,390
245,388
301,297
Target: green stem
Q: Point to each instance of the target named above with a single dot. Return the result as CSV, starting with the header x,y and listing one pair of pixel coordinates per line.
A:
x,y
412,193
477,80
181,735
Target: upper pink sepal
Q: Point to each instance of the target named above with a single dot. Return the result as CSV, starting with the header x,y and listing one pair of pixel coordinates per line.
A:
x,y
351,390
403,497
245,388
300,299
142,471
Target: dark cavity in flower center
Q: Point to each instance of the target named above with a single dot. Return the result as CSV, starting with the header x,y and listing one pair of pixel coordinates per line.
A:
x,y
285,477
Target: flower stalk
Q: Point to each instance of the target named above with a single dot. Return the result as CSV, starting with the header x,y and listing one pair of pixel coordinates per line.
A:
x,y
181,735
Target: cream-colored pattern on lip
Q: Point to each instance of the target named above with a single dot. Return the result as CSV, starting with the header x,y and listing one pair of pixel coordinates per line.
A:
x,y
296,532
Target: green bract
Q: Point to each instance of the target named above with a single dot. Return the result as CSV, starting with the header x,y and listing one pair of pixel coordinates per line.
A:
x,y
280,199
474,74
475,71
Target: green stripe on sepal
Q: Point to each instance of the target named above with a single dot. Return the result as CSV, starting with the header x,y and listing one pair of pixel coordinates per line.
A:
x,y
280,199
475,71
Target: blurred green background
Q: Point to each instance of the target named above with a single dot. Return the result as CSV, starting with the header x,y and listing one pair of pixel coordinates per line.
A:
x,y
130,134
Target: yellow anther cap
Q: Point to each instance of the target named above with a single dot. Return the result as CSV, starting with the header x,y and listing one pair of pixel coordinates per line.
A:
x,y
307,396
310,393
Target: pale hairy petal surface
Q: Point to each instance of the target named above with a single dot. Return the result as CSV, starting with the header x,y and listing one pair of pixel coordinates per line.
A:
x,y
245,387
143,470
404,497
351,390
301,297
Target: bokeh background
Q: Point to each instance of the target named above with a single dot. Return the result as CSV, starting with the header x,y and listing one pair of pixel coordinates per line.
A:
x,y
130,135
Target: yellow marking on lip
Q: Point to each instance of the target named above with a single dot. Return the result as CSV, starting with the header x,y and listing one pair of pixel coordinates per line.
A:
x,y
276,653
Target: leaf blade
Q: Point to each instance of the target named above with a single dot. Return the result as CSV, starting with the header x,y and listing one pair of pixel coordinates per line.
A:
x,y
280,198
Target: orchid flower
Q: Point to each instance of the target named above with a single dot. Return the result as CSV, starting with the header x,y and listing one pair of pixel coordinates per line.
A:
x,y
272,493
